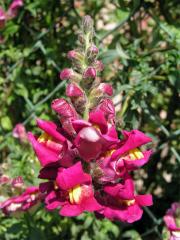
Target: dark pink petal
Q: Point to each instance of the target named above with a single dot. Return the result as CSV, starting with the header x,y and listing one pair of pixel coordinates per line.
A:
x,y
123,191
72,90
134,164
51,129
51,206
70,210
63,108
48,173
88,143
46,186
132,140
133,213
144,200
17,182
72,176
80,124
46,156
91,205
97,118
108,108
106,88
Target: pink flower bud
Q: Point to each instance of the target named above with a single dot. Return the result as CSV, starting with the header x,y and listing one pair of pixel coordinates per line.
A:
x,y
2,18
66,73
72,54
17,182
73,90
63,108
90,72
106,88
20,132
99,65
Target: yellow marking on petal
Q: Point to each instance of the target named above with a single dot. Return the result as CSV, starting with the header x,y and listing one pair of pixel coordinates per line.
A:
x,y
135,154
109,153
127,202
96,127
75,194
44,137
55,185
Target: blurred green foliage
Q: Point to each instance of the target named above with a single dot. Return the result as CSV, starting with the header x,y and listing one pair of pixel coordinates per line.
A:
x,y
138,42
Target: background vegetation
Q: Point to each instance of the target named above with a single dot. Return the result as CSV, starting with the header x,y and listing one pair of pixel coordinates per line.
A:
x,y
138,42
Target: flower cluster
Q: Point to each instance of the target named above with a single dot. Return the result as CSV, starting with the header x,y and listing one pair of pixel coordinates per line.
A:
x,y
172,221
85,165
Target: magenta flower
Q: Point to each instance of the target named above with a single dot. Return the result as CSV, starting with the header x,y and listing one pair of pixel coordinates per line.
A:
x,y
51,145
13,8
23,202
170,220
2,18
72,191
93,139
120,203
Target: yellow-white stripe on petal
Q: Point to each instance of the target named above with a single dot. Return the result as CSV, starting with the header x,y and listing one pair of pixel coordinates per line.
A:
x,y
75,194
44,137
135,154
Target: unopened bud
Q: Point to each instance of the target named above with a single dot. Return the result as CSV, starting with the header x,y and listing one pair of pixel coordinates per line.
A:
x,y
63,108
90,72
106,88
66,73
73,90
87,24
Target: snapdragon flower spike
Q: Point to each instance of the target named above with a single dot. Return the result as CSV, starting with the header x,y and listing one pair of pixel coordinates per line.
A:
x,y
2,18
23,202
84,163
170,219
121,203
